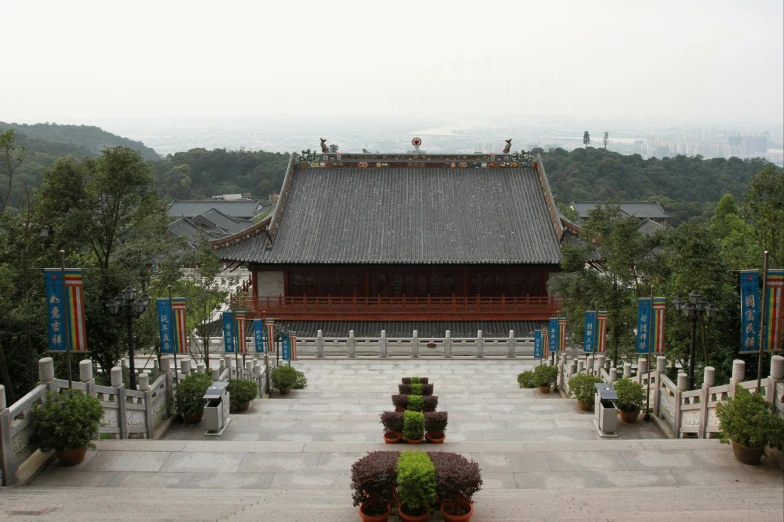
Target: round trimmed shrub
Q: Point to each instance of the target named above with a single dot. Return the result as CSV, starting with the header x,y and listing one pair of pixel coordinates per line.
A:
x,y
413,425
189,393
284,378
68,420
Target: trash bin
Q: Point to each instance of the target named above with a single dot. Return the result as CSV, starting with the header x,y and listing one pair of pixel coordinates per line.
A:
x,y
606,414
216,408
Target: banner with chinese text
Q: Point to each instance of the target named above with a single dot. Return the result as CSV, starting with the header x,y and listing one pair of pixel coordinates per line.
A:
x,y
562,333
65,313
167,331
589,338
749,309
228,332
285,347
537,344
601,320
644,325
241,340
552,336
259,335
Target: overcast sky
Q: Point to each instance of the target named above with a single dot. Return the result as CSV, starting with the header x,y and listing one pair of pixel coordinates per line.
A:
x,y
685,61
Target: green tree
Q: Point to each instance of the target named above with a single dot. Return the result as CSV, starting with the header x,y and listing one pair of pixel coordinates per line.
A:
x,y
763,210
586,139
720,222
11,156
177,182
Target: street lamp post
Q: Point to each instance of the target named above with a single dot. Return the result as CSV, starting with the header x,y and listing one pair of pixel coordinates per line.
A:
x,y
131,309
692,309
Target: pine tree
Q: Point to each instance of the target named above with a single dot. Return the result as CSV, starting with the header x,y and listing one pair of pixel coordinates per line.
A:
x,y
586,139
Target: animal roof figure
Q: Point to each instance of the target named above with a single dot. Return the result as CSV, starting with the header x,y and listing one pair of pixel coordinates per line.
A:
x,y
324,147
508,146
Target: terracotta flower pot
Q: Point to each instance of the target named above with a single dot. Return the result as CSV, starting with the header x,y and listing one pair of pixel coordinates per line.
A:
x,y
393,437
746,455
193,418
466,505
412,441
71,457
544,389
585,406
243,406
284,391
399,410
629,417
372,518
412,518
435,438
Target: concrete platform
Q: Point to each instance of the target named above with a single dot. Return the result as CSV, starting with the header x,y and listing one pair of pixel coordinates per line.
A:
x,y
289,459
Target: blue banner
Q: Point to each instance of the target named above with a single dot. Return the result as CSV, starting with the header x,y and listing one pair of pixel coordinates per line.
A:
x,y
259,335
750,310
589,339
168,337
552,335
228,332
644,325
285,347
56,312
538,344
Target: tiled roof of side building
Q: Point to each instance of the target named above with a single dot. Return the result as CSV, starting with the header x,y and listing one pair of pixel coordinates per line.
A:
x,y
639,209
408,215
240,209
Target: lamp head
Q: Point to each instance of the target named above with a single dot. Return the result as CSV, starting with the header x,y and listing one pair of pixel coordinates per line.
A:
x,y
678,304
694,297
113,306
128,293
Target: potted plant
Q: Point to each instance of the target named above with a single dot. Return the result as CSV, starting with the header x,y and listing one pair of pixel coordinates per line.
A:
x,y
412,389
415,403
66,424
284,378
457,480
747,421
435,426
631,396
241,392
373,480
189,396
544,377
400,402
302,382
583,389
413,426
416,485
429,402
415,380
526,379
393,426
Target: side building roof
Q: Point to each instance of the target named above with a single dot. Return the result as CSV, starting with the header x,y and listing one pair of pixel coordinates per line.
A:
x,y
239,209
383,209
638,209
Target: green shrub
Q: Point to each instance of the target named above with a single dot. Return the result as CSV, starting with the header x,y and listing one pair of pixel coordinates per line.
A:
x,y
631,395
582,387
67,421
416,480
416,389
413,425
242,391
414,379
415,403
302,382
526,379
545,375
747,419
283,378
189,393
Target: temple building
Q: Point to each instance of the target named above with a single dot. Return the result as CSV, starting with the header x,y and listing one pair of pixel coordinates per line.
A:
x,y
402,242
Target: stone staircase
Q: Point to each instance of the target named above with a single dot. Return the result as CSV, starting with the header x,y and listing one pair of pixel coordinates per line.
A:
x,y
289,458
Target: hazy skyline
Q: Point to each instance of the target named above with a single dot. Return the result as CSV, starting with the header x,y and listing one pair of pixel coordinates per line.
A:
x,y
693,62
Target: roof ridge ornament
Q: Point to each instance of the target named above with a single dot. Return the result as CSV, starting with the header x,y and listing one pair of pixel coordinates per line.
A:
x,y
324,147
416,142
508,146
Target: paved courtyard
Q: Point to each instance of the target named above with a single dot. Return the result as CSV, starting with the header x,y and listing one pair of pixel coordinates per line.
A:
x,y
289,458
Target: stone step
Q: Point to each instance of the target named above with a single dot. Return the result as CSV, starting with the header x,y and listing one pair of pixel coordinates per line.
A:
x,y
644,503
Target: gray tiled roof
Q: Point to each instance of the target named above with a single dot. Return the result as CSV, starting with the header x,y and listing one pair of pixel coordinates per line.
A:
x,y
639,209
227,223
410,216
240,209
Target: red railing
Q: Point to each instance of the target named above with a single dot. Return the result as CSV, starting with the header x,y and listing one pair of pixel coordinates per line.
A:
x,y
400,308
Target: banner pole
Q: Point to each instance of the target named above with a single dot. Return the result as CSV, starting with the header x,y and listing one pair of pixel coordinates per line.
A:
x,y
175,336
67,320
762,319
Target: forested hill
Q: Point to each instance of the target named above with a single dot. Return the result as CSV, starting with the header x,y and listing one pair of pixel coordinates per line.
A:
x,y
683,184
93,139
